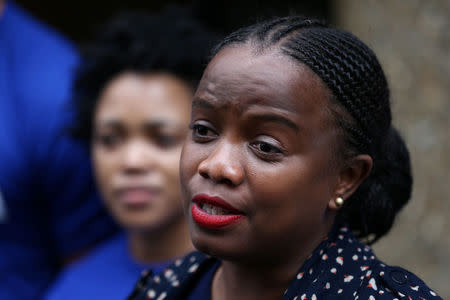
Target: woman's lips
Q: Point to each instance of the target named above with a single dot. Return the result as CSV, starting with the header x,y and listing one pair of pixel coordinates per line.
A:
x,y
137,196
213,212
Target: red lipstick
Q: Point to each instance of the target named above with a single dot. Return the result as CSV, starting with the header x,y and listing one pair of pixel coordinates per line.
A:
x,y
213,212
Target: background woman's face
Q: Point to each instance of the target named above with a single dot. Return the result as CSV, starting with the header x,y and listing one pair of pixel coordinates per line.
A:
x,y
139,126
261,141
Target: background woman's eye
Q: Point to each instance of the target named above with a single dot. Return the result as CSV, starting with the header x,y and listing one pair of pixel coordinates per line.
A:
x,y
108,140
166,141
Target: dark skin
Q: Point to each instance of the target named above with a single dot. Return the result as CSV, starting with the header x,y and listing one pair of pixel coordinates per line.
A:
x,y
264,142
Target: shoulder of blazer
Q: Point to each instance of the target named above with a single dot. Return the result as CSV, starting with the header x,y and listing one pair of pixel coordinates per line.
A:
x,y
175,282
391,282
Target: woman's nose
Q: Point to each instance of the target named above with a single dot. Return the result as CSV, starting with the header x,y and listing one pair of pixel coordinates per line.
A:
x,y
137,157
223,165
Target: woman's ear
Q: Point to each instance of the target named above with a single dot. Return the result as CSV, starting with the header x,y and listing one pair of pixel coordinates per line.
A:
x,y
350,177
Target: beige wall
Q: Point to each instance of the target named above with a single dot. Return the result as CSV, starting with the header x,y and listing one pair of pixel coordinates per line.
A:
x,y
412,40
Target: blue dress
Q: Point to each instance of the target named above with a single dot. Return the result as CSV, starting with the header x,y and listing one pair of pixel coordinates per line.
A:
x,y
341,267
108,272
49,210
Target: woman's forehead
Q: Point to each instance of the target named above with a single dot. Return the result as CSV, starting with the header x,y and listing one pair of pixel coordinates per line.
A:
x,y
270,78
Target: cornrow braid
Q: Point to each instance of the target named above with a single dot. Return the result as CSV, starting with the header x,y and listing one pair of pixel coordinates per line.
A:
x,y
357,82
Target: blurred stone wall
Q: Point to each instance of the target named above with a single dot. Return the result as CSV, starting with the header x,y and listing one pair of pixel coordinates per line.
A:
x,y
412,41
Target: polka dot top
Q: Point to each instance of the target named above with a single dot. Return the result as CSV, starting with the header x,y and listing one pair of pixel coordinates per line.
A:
x,y
341,267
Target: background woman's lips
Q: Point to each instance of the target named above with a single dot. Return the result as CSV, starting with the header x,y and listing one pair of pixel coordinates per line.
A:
x,y
136,197
213,212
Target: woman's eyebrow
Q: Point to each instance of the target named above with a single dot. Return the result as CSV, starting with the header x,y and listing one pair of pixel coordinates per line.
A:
x,y
109,123
201,103
268,117
162,124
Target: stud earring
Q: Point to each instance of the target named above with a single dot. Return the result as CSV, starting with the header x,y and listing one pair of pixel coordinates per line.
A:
x,y
339,202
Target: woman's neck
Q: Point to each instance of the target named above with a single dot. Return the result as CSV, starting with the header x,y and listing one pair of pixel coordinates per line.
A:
x,y
265,281
234,282
162,244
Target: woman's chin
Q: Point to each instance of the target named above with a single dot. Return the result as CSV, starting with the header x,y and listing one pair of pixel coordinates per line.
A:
x,y
218,247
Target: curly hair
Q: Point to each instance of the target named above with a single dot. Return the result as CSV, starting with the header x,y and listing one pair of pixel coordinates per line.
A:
x,y
170,42
361,108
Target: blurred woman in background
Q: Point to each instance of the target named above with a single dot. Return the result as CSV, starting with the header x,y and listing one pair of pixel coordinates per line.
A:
x,y
133,97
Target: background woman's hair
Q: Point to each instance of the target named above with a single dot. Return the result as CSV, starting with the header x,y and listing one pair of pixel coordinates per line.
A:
x,y
358,84
170,42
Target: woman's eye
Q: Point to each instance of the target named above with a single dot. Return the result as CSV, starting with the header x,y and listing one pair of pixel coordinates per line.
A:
x,y
202,133
266,147
108,140
266,151
166,141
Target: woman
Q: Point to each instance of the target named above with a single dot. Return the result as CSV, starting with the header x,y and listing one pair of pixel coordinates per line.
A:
x,y
135,90
291,159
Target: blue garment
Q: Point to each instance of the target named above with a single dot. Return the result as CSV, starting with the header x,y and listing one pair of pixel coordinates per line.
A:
x,y
109,272
49,210
341,267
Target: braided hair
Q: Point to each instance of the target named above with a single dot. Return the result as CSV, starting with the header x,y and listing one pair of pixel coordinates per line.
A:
x,y
171,42
360,106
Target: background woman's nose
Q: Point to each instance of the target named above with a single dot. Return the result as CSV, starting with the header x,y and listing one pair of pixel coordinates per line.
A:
x,y
137,157
223,165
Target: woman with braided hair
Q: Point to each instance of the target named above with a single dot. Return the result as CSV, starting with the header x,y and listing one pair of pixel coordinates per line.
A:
x,y
292,168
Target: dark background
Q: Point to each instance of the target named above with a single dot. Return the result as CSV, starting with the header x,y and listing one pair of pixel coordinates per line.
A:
x,y
79,19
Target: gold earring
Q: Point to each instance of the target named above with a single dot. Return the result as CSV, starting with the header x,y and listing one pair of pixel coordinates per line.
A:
x,y
339,202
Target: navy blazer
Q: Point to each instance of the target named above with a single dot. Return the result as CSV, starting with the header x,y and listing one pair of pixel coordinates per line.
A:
x,y
341,267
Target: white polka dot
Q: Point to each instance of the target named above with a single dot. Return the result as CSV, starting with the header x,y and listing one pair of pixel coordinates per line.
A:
x,y
162,296
373,284
168,273
193,268
151,294
363,268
